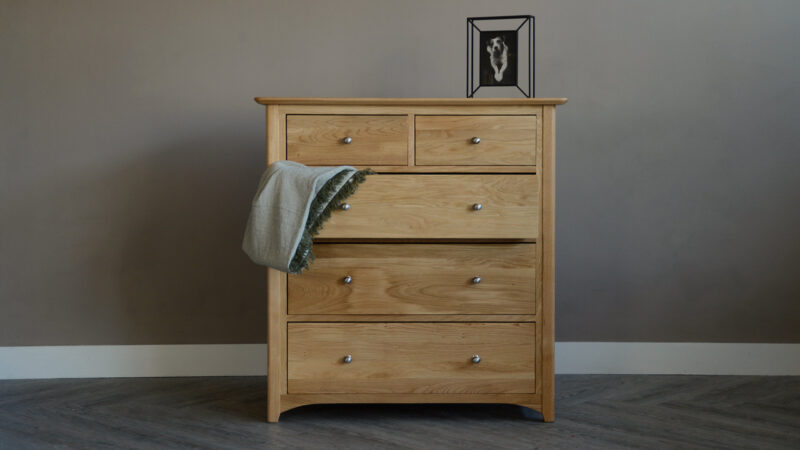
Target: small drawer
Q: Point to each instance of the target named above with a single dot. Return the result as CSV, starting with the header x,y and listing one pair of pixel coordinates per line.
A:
x,y
440,207
476,140
416,279
320,140
458,358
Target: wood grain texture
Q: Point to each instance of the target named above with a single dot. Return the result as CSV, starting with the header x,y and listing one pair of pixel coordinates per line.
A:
x,y
291,401
411,318
424,240
275,344
440,206
411,358
333,101
540,362
411,147
275,288
448,169
410,207
548,263
430,109
508,140
416,279
318,140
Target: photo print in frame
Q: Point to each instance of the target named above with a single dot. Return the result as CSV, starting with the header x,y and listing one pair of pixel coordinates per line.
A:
x,y
498,61
500,54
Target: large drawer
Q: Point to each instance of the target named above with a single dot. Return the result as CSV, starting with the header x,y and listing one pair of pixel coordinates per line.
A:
x,y
476,140
411,358
440,207
416,279
318,140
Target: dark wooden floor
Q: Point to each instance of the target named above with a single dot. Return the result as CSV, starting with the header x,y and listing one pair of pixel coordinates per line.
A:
x,y
592,411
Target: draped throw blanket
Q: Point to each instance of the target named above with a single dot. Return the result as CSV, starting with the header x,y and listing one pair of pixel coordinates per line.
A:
x,y
289,208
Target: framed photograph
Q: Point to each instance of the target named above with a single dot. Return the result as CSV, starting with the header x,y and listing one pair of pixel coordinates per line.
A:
x,y
500,54
498,61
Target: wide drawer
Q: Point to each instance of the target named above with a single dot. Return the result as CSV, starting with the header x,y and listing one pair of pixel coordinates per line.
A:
x,y
416,279
476,140
440,207
317,140
411,358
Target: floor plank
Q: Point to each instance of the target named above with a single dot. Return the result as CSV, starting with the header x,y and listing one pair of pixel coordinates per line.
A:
x,y
592,411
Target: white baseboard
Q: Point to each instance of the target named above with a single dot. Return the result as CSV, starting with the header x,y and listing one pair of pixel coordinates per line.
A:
x,y
695,358
101,361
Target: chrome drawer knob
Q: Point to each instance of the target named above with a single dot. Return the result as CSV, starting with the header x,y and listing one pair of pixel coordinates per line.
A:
x,y
348,279
347,359
476,280
476,359
476,140
477,207
347,140
345,207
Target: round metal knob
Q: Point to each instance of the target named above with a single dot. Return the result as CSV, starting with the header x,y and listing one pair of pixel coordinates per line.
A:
x,y
347,140
345,206
476,280
477,207
476,140
347,279
476,359
349,358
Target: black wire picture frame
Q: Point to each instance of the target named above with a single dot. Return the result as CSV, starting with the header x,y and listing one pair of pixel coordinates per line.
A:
x,y
500,53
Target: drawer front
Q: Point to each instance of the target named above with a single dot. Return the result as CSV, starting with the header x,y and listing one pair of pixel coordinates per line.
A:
x,y
449,140
416,279
440,207
319,140
411,358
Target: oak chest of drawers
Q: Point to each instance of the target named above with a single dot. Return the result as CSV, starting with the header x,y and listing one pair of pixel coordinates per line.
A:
x,y
436,284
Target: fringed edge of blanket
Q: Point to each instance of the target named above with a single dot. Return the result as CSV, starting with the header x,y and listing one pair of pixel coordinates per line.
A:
x,y
320,211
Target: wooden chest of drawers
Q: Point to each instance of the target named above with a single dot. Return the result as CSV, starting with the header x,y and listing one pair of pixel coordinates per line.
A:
x,y
436,284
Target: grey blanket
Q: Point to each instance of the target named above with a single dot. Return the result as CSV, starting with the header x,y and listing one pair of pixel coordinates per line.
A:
x,y
289,208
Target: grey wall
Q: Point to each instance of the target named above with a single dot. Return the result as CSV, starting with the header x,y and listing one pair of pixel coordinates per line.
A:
x,y
130,147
